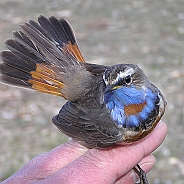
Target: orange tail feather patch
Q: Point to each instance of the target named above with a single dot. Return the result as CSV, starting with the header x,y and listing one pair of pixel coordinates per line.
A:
x,y
43,80
74,49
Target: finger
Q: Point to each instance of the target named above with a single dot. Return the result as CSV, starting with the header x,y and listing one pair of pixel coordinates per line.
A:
x,y
131,177
58,158
105,166
46,164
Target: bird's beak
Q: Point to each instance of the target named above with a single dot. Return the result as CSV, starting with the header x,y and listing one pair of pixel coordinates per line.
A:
x,y
110,87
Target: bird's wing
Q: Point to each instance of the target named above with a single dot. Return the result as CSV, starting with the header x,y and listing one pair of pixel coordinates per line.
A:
x,y
45,57
86,126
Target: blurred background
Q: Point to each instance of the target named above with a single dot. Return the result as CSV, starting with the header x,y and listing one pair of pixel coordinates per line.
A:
x,y
144,32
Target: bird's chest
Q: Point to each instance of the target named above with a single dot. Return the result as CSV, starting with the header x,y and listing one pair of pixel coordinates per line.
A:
x,y
129,107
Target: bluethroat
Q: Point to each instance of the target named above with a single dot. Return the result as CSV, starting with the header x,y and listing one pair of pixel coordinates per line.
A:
x,y
107,105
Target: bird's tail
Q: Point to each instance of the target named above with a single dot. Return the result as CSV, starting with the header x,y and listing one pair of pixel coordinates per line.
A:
x,y
39,55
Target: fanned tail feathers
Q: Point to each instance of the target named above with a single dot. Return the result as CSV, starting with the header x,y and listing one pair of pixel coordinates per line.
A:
x,y
39,56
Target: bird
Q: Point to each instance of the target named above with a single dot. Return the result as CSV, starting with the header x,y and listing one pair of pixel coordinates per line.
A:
x,y
106,105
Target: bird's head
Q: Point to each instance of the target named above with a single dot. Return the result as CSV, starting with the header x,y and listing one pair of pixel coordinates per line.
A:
x,y
124,75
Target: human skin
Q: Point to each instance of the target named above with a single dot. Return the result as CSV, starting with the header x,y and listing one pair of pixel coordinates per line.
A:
x,y
72,163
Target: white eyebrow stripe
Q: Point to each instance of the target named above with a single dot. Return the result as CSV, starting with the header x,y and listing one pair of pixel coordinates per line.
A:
x,y
124,74
120,75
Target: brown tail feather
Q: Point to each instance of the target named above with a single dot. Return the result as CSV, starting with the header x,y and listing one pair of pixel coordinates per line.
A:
x,y
61,30
39,57
38,77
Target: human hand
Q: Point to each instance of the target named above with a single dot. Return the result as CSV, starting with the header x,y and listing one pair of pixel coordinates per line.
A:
x,y
71,163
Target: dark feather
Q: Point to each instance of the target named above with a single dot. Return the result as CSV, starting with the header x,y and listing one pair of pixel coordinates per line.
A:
x,y
14,61
85,126
15,81
25,48
13,72
95,69
46,47
60,31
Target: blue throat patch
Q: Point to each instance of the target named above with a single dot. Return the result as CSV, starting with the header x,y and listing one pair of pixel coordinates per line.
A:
x,y
129,106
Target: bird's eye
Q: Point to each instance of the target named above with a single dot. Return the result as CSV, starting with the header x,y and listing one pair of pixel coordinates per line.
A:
x,y
128,79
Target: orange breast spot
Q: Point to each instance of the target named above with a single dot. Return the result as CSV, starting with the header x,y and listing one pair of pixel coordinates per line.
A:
x,y
134,109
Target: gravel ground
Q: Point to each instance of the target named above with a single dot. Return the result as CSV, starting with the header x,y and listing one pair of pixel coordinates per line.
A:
x,y
145,32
